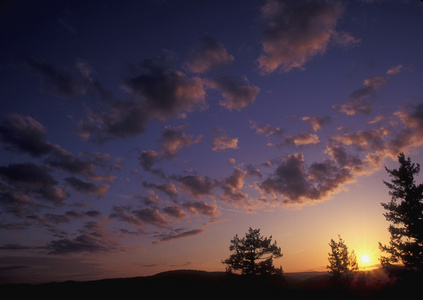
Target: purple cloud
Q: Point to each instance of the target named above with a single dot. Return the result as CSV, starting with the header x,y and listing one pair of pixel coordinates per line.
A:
x,y
237,93
206,55
293,32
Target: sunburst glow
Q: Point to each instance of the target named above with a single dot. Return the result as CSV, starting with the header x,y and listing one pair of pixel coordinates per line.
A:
x,y
365,259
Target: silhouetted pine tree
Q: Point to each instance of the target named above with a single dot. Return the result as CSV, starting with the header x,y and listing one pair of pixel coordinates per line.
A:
x,y
405,212
253,254
342,264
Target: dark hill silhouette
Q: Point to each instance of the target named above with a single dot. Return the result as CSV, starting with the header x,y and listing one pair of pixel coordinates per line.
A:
x,y
210,285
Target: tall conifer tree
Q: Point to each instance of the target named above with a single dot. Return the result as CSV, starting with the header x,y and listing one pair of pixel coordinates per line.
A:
x,y
405,212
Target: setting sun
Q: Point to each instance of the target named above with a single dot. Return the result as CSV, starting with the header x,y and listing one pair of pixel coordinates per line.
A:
x,y
365,259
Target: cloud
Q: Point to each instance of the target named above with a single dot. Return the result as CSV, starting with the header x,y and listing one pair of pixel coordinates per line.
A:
x,y
32,179
151,200
237,93
411,132
357,104
167,188
139,217
23,134
123,213
289,179
317,122
87,188
345,39
173,139
301,139
297,183
222,141
196,186
295,31
159,93
61,81
51,220
175,236
93,238
166,92
232,186
66,161
148,159
151,215
267,130
17,204
394,70
114,119
373,146
206,55
196,207
364,140
174,211
370,85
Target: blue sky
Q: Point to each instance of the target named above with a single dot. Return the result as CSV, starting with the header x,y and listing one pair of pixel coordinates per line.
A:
x,y
141,136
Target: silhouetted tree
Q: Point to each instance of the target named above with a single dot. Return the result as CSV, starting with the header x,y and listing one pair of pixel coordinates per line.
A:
x,y
253,254
405,212
342,264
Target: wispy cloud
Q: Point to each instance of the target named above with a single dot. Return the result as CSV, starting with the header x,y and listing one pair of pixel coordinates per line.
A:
x,y
394,70
174,236
139,217
358,103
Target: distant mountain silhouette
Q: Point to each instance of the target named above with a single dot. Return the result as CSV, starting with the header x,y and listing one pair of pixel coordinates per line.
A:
x,y
210,285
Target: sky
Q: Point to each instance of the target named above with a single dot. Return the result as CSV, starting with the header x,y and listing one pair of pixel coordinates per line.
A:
x,y
141,136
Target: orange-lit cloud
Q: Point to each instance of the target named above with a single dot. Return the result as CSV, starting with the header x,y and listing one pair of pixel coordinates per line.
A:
x,y
222,141
301,139
317,122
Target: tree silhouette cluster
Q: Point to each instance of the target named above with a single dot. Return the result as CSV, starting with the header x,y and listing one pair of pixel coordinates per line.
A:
x,y
254,254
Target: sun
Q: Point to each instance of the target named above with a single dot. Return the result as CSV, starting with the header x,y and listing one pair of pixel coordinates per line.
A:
x,y
365,259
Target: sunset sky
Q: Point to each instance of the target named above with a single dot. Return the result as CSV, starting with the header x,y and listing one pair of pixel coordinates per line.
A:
x,y
140,136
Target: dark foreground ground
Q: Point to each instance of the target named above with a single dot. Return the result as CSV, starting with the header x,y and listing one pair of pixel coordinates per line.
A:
x,y
206,285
